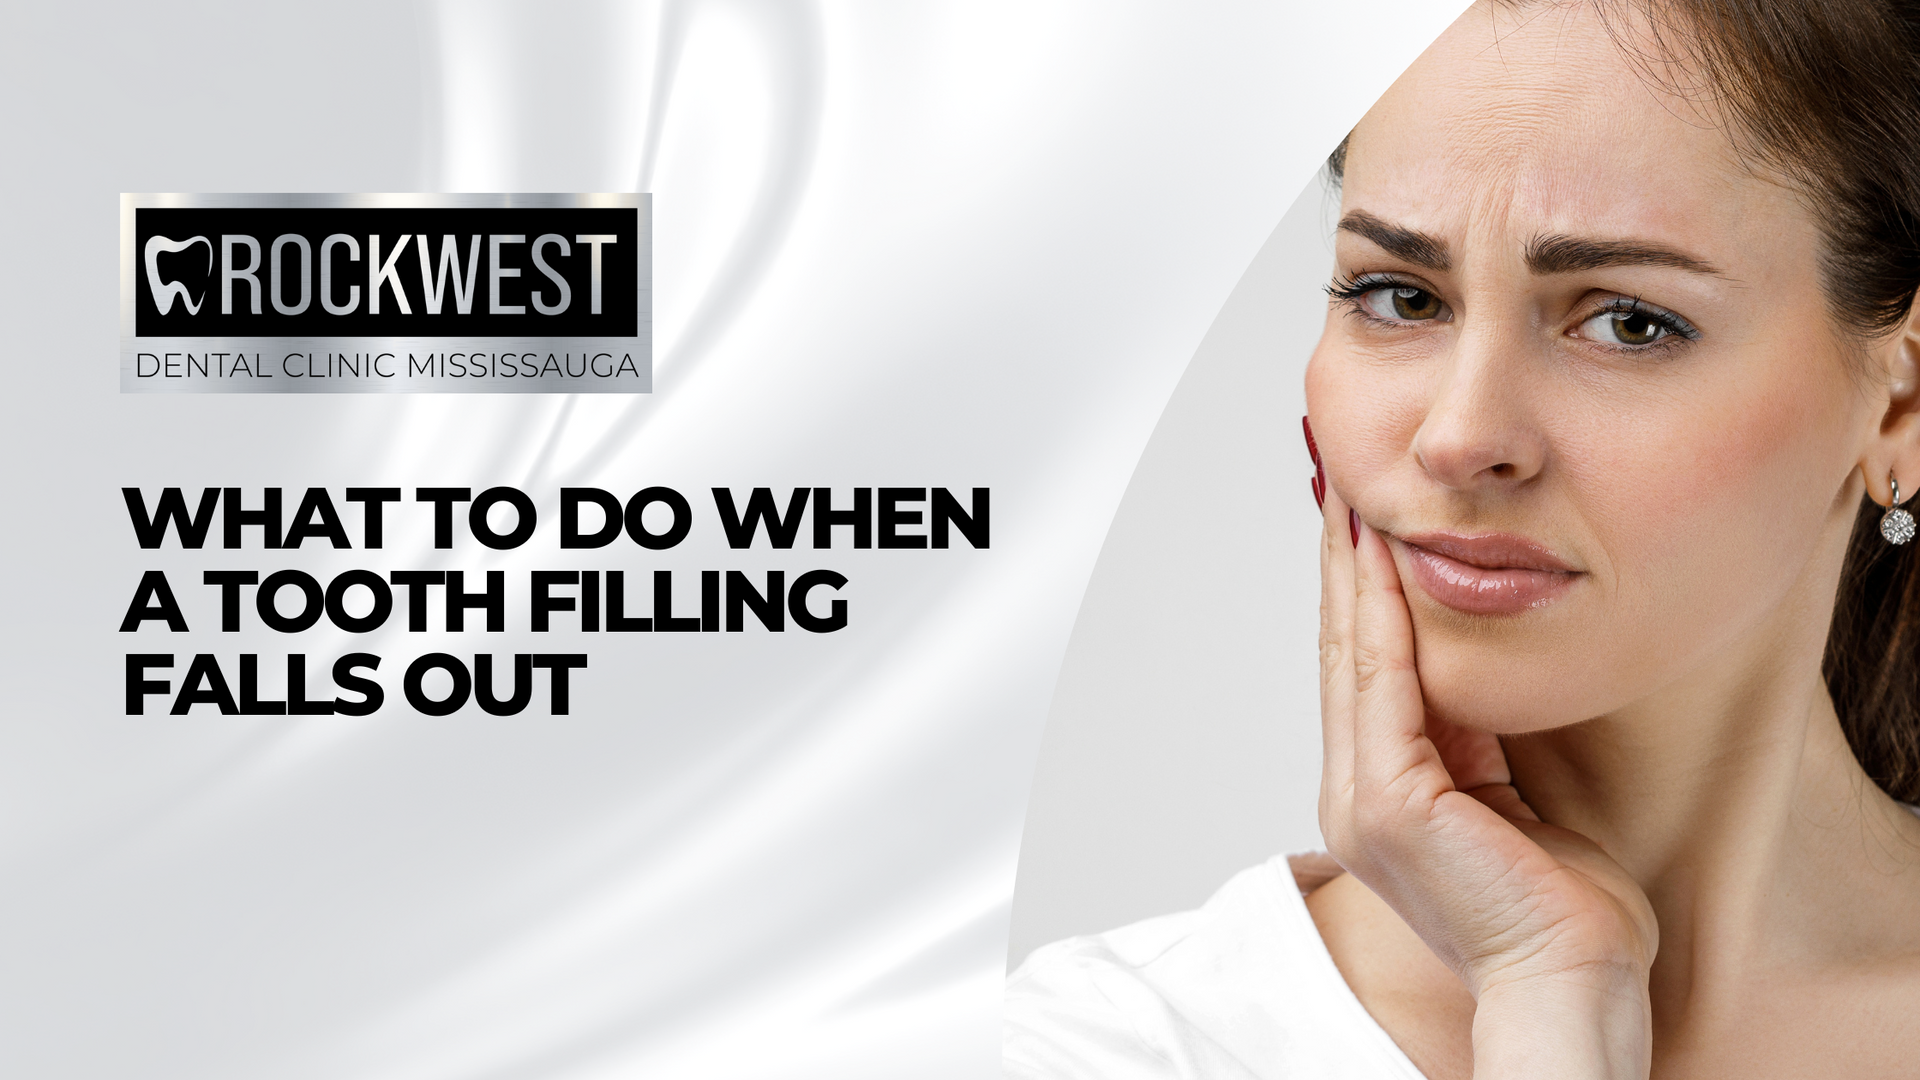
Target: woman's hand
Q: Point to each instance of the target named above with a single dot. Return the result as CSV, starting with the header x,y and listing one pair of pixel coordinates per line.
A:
x,y
1550,935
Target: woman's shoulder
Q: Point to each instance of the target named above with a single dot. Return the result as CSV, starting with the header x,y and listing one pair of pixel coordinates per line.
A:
x,y
1241,987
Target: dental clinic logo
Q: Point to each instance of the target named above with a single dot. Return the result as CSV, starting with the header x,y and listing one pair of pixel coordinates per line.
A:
x,y
375,293
165,293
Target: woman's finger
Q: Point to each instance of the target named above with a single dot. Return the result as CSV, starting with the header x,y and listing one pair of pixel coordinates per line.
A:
x,y
1336,661
1478,766
1394,759
1472,757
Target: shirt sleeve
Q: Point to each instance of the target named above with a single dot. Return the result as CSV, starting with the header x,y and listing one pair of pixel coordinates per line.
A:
x,y
1073,1011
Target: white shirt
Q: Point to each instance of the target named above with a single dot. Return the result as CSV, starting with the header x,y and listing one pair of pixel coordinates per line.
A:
x,y
1243,988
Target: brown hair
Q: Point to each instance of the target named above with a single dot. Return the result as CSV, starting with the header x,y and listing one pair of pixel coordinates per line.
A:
x,y
1827,94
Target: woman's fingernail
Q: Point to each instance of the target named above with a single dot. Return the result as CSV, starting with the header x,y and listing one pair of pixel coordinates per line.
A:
x,y
1313,449
1353,525
1319,491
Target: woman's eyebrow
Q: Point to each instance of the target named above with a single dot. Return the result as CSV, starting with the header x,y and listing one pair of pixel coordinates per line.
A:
x,y
1571,254
1418,248
1556,254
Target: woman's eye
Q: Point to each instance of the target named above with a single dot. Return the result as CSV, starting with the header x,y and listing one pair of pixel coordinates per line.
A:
x,y
1403,302
1624,328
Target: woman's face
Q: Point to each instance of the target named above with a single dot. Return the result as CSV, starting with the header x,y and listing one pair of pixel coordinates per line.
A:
x,y
1579,372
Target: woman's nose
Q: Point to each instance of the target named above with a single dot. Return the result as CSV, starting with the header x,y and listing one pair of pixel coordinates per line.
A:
x,y
1478,433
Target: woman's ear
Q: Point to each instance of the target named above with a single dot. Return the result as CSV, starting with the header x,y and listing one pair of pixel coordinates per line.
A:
x,y
1897,449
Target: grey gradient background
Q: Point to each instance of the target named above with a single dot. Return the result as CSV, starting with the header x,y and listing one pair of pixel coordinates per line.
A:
x,y
955,242
1183,742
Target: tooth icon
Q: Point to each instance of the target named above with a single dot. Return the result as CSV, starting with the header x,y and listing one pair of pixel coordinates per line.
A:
x,y
163,294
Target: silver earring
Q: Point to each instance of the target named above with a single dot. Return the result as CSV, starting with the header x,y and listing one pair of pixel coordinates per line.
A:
x,y
1897,526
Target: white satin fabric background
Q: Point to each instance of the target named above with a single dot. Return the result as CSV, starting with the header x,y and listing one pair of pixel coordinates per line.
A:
x,y
958,244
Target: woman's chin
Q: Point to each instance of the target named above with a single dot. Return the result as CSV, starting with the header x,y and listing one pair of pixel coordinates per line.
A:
x,y
1507,697
1548,668
1490,718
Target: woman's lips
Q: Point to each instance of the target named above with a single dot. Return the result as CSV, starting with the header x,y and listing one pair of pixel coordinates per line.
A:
x,y
1494,574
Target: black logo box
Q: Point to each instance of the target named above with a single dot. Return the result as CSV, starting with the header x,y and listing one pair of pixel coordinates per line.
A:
x,y
211,338
386,271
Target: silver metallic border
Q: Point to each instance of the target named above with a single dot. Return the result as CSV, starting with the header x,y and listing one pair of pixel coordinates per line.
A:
x,y
641,345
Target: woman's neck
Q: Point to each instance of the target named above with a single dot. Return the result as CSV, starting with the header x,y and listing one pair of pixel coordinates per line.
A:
x,y
1735,802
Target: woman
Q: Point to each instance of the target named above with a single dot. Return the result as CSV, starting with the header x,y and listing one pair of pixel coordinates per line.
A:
x,y
1617,382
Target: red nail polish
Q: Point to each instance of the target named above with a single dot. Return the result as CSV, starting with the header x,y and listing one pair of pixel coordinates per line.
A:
x,y
1313,448
1353,525
1319,490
